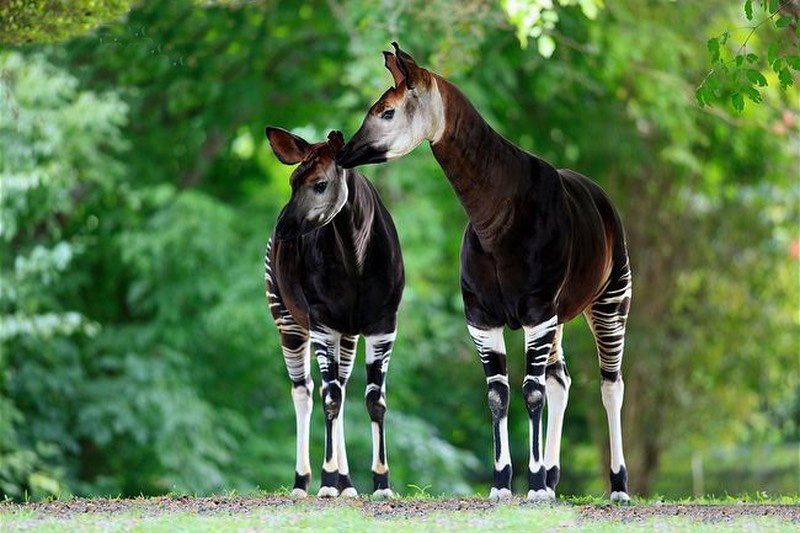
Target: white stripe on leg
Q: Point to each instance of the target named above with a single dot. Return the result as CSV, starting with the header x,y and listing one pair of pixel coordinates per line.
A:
x,y
612,393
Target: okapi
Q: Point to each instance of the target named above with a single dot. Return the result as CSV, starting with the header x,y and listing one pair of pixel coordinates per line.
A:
x,y
542,245
334,270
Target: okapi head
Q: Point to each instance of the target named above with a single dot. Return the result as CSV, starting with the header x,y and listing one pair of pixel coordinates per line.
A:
x,y
319,187
403,117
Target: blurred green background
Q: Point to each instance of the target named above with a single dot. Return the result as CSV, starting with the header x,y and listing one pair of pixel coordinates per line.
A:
x,y
138,192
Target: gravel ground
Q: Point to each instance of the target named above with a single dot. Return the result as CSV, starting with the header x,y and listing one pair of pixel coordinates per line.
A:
x,y
397,508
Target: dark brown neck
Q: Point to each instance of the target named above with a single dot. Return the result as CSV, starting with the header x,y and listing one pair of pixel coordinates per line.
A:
x,y
354,222
487,172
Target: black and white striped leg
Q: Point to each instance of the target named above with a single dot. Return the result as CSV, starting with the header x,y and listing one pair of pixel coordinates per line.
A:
x,y
379,352
557,384
325,345
538,344
607,317
492,351
297,356
347,351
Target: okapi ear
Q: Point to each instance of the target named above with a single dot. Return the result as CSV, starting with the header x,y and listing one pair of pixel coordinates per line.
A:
x,y
391,63
336,140
289,149
409,68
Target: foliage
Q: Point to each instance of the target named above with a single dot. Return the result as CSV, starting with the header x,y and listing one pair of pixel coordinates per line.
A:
x,y
25,21
138,193
740,72
538,18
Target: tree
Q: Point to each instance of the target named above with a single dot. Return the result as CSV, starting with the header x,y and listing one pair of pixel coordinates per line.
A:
x,y
27,21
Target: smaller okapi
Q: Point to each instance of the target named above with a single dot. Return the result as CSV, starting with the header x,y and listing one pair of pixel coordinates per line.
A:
x,y
334,271
542,246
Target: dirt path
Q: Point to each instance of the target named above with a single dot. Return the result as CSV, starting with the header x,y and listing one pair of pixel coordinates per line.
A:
x,y
397,508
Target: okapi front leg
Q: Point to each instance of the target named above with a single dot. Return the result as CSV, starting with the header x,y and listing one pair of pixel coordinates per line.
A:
x,y
538,343
492,351
325,345
347,352
557,385
379,352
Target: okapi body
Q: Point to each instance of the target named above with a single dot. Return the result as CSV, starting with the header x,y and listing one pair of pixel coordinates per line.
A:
x,y
542,246
334,271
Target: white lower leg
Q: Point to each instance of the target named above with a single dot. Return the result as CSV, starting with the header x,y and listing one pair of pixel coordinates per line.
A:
x,y
303,404
378,466
344,468
612,394
557,398
501,493
340,442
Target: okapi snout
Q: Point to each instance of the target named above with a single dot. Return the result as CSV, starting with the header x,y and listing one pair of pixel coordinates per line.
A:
x,y
354,154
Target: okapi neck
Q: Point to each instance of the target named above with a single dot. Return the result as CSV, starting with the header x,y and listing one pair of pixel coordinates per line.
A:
x,y
353,224
488,173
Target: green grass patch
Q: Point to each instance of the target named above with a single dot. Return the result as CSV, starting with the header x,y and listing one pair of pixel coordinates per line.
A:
x,y
511,517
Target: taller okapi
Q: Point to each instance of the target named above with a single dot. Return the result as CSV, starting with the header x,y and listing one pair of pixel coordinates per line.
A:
x,y
334,270
542,246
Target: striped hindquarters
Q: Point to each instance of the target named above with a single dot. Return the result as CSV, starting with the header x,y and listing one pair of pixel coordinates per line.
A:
x,y
294,337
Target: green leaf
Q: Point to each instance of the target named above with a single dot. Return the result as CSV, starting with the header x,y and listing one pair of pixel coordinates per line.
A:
x,y
772,53
748,9
739,60
753,94
546,46
752,58
738,101
756,77
773,6
784,21
700,95
713,48
785,77
793,61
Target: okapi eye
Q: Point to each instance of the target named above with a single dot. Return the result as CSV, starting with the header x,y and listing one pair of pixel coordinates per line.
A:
x,y
320,186
388,114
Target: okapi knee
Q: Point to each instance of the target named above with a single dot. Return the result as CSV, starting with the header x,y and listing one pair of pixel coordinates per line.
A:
x,y
376,406
533,392
332,400
498,396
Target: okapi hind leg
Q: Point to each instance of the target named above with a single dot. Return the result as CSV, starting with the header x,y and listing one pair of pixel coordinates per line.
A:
x,y
347,352
297,356
607,318
557,384
378,353
492,352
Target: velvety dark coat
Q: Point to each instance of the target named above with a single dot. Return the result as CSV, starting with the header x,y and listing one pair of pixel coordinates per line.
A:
x,y
317,274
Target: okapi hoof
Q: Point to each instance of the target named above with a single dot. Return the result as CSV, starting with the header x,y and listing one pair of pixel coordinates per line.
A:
x,y
541,496
620,498
498,495
383,494
349,492
299,494
328,492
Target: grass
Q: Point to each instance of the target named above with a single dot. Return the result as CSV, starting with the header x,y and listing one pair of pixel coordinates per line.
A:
x,y
504,518
334,517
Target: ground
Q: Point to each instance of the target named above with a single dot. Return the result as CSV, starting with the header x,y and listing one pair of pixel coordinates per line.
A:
x,y
280,513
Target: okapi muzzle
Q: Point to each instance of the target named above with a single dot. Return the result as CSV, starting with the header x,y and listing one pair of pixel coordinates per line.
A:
x,y
319,187
360,151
